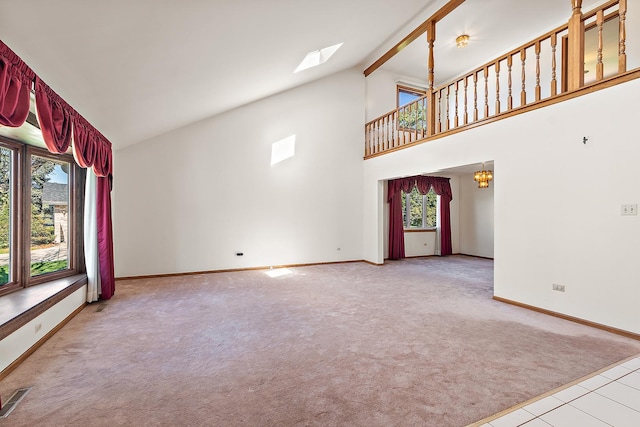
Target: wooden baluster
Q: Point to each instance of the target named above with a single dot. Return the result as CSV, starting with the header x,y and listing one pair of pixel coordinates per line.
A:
x,y
404,132
575,54
486,92
384,134
538,91
440,111
394,121
391,132
431,98
509,83
398,129
423,118
523,93
599,63
475,96
380,131
374,137
466,101
455,118
447,109
415,120
498,87
554,81
366,139
622,54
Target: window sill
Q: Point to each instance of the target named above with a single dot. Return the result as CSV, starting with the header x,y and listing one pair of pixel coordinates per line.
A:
x,y
20,307
419,230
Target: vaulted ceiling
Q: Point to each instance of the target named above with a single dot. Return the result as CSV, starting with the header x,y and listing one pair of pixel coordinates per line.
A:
x,y
139,68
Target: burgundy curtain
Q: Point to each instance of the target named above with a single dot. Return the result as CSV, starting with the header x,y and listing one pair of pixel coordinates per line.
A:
x,y
396,226
54,116
16,79
442,188
102,167
105,237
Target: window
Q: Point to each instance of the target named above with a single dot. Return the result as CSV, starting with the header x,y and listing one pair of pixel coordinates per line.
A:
x,y
37,221
419,211
407,95
412,116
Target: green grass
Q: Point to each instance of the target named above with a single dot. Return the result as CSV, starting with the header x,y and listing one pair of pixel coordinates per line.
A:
x,y
38,268
4,274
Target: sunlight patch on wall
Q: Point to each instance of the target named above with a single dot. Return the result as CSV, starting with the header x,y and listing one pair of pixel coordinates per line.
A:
x,y
283,149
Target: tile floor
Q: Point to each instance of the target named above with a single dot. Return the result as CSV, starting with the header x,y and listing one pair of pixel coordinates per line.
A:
x,y
610,398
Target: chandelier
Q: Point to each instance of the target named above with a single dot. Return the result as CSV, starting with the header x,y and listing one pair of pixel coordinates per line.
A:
x,y
483,177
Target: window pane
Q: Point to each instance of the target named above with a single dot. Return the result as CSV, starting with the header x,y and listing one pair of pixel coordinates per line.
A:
x,y
430,204
406,96
6,156
415,213
49,215
404,208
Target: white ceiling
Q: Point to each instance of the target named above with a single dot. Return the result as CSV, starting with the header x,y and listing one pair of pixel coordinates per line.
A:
x,y
139,68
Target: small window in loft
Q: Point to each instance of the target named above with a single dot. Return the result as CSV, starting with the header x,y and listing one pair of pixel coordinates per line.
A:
x,y
407,94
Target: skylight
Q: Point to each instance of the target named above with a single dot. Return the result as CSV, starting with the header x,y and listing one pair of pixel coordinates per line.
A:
x,y
317,57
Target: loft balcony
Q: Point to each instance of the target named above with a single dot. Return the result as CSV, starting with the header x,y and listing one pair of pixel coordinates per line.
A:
x,y
586,54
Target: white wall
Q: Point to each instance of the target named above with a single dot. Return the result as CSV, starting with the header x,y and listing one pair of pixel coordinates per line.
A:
x,y
556,202
188,200
17,343
476,218
419,244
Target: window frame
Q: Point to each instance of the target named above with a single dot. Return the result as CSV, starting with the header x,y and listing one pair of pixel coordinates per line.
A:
x,y
20,230
15,218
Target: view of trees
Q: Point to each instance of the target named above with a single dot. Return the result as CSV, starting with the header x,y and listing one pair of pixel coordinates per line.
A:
x,y
412,117
42,229
5,164
419,214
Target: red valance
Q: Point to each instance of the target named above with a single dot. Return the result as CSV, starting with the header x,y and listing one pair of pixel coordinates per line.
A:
x,y
15,88
84,144
61,125
54,116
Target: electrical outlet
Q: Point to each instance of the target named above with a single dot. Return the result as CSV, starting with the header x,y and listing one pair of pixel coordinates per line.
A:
x,y
559,288
629,209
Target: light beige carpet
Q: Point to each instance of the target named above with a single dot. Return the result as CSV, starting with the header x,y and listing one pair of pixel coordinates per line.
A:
x,y
415,342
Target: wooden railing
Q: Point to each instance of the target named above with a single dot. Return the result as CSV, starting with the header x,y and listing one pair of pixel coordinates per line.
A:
x,y
536,71
402,126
